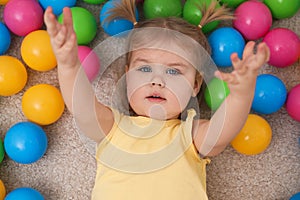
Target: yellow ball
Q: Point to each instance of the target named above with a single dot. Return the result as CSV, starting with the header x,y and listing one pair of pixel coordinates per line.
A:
x,y
254,137
37,52
2,190
43,104
3,2
13,75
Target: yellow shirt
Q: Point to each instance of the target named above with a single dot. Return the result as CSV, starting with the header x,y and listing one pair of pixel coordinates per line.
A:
x,y
146,159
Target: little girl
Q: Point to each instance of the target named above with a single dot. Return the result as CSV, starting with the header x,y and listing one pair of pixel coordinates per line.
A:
x,y
155,154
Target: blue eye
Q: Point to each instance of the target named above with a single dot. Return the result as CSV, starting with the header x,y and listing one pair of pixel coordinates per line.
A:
x,y
173,71
145,68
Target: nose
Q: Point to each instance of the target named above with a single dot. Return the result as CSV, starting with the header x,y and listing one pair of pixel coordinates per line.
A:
x,y
158,81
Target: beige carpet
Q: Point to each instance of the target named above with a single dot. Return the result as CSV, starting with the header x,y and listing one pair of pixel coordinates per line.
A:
x,y
67,170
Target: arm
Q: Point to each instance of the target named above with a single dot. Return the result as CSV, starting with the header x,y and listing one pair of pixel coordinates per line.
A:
x,y
212,136
92,117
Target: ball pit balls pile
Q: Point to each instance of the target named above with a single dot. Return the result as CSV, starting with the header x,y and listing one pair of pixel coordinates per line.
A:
x,y
253,21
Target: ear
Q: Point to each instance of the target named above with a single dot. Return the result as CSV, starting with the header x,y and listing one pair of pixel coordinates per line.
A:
x,y
197,84
126,68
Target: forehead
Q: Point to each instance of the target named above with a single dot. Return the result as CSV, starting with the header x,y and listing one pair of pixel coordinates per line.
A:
x,y
158,56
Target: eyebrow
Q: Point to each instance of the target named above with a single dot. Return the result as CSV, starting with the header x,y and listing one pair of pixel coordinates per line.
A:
x,y
172,64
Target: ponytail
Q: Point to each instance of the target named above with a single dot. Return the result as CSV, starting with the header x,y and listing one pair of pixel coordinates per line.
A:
x,y
213,13
125,9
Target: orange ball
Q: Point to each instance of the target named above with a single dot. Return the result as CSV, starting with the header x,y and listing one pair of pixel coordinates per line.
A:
x,y
2,190
13,75
3,2
37,52
43,104
254,137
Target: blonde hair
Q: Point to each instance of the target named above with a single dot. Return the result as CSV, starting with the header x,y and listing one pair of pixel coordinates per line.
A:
x,y
126,9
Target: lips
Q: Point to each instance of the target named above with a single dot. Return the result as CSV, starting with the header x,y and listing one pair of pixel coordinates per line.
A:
x,y
155,98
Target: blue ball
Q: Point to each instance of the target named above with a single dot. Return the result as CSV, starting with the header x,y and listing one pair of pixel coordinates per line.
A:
x,y
270,94
115,26
24,193
295,196
25,142
4,38
57,5
225,41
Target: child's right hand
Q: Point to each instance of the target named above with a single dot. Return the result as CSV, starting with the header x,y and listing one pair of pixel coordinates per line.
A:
x,y
63,38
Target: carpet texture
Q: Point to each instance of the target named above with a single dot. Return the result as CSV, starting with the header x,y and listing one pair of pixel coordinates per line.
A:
x,y
67,170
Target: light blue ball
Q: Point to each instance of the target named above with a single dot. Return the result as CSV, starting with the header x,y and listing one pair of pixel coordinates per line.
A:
x,y
270,94
25,142
295,196
115,26
225,41
5,38
24,193
57,5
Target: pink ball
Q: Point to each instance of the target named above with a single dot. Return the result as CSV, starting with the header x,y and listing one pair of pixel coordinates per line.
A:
x,y
284,47
89,61
293,103
253,19
23,16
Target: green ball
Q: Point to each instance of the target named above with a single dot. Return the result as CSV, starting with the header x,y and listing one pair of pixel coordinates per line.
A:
x,y
84,24
162,8
282,9
232,3
1,150
94,1
193,15
215,93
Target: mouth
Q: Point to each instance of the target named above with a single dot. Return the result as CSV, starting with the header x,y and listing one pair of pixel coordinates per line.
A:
x,y
155,98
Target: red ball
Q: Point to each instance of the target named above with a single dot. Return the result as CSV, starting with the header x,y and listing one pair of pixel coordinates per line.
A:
x,y
253,19
23,16
293,103
284,47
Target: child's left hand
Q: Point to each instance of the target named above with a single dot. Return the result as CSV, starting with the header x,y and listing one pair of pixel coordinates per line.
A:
x,y
241,81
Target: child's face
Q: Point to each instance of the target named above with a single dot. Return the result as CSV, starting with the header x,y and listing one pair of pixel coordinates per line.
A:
x,y
159,83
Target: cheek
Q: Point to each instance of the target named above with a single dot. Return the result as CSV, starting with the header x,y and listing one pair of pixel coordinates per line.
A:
x,y
134,82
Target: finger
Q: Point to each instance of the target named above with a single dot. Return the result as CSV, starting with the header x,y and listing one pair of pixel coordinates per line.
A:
x,y
71,43
235,60
230,78
50,21
67,20
263,52
248,50
61,37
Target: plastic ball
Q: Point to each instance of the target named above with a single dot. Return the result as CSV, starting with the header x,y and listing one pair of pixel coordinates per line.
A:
x,y
3,2
232,3
94,1
84,23
89,61
25,142
43,104
37,52
255,136
2,190
284,47
162,8
225,41
13,75
23,16
215,93
193,14
5,38
2,153
281,9
270,94
293,102
57,5
253,19
115,26
295,196
24,193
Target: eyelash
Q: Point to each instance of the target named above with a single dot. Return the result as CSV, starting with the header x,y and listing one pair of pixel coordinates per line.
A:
x,y
171,71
